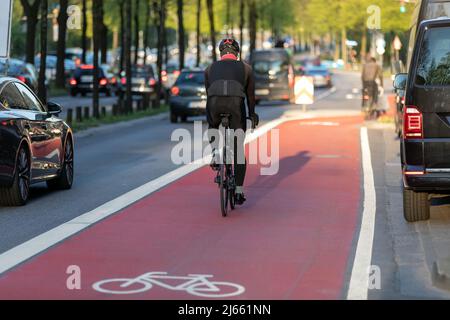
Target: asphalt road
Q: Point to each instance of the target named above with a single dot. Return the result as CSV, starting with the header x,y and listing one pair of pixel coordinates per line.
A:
x,y
116,159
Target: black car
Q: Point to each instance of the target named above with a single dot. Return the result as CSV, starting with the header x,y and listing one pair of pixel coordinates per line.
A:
x,y
35,145
274,75
143,81
21,70
188,95
82,81
425,146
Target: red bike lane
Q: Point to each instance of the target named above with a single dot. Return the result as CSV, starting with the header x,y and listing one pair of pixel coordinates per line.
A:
x,y
291,240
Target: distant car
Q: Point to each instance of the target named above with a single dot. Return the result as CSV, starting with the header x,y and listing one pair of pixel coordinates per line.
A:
x,y
188,95
21,70
35,145
113,79
274,75
82,81
143,81
321,76
170,75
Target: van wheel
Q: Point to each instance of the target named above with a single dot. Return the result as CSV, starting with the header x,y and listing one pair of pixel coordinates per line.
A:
x,y
416,206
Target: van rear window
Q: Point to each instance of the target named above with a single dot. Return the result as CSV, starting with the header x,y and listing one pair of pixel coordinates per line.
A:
x,y
434,62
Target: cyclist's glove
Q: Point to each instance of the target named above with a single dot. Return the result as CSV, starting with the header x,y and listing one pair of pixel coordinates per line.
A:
x,y
255,120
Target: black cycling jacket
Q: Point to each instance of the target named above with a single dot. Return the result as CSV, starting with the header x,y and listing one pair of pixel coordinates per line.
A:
x,y
233,70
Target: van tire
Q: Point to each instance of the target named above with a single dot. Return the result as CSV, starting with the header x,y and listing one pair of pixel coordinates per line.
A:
x,y
416,206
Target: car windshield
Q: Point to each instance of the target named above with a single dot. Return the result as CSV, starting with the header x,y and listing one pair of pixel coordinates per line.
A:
x,y
272,68
436,10
142,72
434,59
191,78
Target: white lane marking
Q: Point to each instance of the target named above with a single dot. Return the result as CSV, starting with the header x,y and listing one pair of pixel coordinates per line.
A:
x,y
326,94
32,247
359,281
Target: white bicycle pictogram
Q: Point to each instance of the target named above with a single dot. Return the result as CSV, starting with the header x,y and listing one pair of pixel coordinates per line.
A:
x,y
194,284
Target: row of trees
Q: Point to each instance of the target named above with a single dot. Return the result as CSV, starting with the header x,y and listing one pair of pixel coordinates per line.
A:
x,y
141,24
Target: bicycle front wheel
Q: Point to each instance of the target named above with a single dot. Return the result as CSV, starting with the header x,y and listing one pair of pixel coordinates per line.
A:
x,y
223,191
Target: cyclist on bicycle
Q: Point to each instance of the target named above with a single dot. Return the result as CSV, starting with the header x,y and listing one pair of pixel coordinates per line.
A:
x,y
229,82
371,72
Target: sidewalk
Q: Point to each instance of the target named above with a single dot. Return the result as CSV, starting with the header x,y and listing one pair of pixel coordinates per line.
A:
x,y
292,240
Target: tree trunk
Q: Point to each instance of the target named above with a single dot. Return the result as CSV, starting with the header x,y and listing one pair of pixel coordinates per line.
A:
x,y
181,44
136,31
84,42
210,5
103,37
128,31
363,45
252,25
344,46
31,11
241,22
42,91
61,49
227,20
158,18
165,43
146,29
199,12
122,34
96,24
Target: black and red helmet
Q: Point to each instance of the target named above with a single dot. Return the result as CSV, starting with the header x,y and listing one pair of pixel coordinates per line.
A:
x,y
229,45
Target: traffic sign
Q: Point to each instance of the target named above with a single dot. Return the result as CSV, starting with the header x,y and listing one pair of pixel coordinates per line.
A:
x,y
304,90
5,27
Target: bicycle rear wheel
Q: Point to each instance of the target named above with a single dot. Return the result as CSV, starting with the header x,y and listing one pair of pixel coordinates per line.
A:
x,y
231,187
223,191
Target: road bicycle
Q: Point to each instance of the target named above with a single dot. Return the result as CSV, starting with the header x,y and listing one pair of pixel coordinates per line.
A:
x,y
194,284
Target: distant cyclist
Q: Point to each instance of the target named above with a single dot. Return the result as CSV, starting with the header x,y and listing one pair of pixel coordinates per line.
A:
x,y
229,83
370,74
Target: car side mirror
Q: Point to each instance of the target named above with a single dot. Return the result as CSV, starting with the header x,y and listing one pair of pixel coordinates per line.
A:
x,y
54,108
400,81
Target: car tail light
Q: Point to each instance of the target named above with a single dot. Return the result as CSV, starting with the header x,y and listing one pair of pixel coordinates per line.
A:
x,y
113,80
412,123
103,82
73,82
6,123
123,81
175,91
87,67
21,78
164,73
164,78
176,73
152,82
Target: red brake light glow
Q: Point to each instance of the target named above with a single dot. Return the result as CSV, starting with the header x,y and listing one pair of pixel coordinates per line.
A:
x,y
123,81
152,82
103,82
21,79
73,82
175,91
412,123
87,67
176,73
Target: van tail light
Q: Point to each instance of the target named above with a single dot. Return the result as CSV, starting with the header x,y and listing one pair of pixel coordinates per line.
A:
x,y
412,123
103,82
175,91
73,82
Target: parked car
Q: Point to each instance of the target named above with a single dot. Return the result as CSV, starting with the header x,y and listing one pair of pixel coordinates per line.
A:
x,y
143,81
426,119
35,145
113,79
21,70
274,75
321,76
82,81
188,95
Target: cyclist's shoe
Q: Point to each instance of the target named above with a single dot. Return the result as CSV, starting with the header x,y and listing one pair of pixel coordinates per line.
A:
x,y
240,199
214,165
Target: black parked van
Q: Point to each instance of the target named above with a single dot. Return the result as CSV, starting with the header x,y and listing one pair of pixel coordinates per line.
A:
x,y
274,75
425,144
